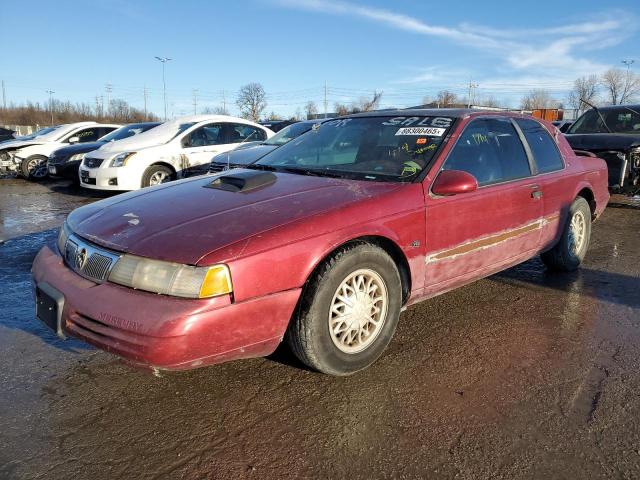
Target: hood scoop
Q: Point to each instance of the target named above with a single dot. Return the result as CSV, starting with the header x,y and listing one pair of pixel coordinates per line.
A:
x,y
242,181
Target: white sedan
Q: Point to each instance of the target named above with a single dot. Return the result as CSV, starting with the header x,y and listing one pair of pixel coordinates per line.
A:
x,y
169,151
29,155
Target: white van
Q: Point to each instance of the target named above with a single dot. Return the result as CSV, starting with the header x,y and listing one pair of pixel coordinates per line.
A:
x,y
166,152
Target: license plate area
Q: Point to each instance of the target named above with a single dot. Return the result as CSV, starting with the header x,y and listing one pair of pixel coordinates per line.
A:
x,y
49,305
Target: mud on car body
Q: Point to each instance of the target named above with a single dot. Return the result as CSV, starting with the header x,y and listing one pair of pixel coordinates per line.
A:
x,y
613,134
321,242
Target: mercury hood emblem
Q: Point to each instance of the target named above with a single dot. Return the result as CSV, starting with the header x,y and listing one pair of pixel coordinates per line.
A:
x,y
81,258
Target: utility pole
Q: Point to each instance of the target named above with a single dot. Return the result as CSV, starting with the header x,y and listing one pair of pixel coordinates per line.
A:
x,y
164,60
51,92
4,97
195,101
224,102
144,93
627,80
471,87
109,88
325,99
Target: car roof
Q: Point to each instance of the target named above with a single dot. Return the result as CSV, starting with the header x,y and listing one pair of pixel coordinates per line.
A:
x,y
427,112
618,107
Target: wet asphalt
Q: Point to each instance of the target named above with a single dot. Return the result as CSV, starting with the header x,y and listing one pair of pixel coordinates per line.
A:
x,y
525,374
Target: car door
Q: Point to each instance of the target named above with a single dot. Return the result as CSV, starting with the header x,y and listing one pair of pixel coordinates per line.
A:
x,y
556,187
474,234
202,144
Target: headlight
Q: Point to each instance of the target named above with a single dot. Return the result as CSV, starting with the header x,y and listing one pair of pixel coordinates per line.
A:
x,y
77,156
120,160
62,237
171,278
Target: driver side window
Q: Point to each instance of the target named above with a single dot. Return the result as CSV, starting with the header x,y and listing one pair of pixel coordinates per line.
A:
x,y
87,135
490,150
206,135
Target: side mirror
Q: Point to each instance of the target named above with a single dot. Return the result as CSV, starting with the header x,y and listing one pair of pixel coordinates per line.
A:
x,y
74,139
454,182
186,141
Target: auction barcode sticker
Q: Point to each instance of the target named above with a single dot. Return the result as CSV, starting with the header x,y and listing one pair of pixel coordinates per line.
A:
x,y
434,132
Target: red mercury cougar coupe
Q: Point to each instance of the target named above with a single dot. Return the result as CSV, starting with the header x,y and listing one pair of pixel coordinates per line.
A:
x,y
322,242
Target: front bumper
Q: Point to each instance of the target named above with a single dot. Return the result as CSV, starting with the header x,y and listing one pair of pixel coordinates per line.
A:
x,y
66,169
164,332
110,178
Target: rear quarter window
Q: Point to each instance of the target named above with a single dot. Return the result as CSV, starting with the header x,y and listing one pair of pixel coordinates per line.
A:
x,y
544,148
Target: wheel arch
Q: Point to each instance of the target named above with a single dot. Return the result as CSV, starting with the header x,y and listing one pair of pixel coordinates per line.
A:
x,y
588,195
386,244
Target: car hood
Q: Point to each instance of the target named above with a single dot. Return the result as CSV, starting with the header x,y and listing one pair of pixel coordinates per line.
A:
x,y
19,144
78,148
244,156
184,221
603,141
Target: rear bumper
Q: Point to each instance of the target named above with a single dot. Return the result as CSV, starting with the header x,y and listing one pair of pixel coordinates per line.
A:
x,y
164,332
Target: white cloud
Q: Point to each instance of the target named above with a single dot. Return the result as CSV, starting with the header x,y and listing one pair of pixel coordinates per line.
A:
x,y
548,51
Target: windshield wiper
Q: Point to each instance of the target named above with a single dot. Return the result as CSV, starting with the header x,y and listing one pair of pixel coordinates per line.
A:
x,y
312,172
261,166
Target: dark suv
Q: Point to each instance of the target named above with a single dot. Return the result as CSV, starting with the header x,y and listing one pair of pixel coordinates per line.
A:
x,y
613,134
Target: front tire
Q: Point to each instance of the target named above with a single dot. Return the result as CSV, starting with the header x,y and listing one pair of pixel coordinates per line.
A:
x,y
569,252
34,168
348,312
157,174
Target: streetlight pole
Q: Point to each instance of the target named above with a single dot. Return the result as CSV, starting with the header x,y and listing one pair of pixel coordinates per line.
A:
x,y
51,92
627,80
164,60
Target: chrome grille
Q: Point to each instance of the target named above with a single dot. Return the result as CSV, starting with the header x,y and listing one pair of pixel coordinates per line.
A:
x,y
91,162
89,260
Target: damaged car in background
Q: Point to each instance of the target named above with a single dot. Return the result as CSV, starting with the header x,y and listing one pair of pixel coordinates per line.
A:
x,y
322,242
29,155
175,149
613,134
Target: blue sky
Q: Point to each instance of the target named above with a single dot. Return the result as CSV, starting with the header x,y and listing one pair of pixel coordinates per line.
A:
x,y
406,48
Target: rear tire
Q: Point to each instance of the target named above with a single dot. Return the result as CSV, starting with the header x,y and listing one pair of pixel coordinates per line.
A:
x,y
34,168
157,174
348,312
569,252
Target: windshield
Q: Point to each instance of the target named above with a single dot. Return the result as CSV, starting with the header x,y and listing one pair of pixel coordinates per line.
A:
x,y
619,120
39,133
127,131
363,148
289,133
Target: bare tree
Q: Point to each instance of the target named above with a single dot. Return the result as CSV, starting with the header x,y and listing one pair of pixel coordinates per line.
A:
x,y
620,86
341,109
220,110
445,98
585,88
274,116
367,104
490,101
251,101
311,109
538,98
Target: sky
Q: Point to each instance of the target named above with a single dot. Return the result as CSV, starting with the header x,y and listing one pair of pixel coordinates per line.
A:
x,y
408,49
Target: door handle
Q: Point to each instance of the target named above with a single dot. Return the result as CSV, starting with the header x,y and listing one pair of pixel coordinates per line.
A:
x,y
536,194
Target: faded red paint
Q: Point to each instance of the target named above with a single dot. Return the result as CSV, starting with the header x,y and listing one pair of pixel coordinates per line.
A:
x,y
273,238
